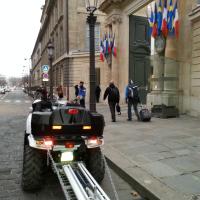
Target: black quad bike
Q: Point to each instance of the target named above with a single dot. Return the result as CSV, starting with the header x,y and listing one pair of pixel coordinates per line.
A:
x,y
69,132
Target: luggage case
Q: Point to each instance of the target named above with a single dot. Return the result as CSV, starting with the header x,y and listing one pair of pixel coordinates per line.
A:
x,y
144,114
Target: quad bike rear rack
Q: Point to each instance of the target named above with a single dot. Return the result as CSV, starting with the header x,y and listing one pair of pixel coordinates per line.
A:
x,y
76,181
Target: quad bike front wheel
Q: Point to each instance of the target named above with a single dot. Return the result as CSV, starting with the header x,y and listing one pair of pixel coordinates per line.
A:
x,y
95,164
33,169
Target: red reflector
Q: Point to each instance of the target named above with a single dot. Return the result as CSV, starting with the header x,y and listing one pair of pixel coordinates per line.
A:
x,y
93,138
69,145
73,111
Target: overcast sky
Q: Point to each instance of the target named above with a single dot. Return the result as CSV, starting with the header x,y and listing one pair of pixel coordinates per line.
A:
x,y
20,23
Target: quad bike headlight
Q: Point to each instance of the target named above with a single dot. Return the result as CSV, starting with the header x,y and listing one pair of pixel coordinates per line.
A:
x,y
67,156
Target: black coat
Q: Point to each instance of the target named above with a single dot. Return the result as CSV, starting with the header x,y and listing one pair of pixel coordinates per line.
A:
x,y
97,91
109,93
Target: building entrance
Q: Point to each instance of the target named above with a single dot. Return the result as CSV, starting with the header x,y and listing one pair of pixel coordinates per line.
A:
x,y
139,52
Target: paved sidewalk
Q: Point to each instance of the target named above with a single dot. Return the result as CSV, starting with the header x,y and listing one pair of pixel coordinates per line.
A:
x,y
161,158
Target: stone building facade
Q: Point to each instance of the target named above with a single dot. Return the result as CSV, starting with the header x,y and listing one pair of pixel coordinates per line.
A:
x,y
173,79
64,23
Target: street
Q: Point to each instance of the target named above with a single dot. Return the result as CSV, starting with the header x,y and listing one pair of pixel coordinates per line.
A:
x,y
14,107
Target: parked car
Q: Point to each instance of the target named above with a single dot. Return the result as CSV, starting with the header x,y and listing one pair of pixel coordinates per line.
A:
x,y
7,89
2,91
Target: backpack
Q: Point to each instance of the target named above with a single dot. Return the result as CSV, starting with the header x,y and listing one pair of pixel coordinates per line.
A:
x,y
133,92
114,94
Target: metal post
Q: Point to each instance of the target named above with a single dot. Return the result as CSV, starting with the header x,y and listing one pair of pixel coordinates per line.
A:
x,y
30,74
91,19
29,81
51,77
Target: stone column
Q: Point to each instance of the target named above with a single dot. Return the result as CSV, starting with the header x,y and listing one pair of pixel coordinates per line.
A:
x,y
170,92
157,79
157,62
111,66
165,77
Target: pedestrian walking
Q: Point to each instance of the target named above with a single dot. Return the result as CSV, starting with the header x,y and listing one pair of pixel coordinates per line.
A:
x,y
76,90
81,94
44,94
97,93
38,93
113,95
132,99
45,103
60,91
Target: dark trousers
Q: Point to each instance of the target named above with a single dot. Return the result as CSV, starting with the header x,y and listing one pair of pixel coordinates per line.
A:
x,y
134,104
97,98
112,110
82,102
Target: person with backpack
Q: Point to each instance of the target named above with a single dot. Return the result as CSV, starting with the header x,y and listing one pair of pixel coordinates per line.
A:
x,y
132,99
81,94
113,95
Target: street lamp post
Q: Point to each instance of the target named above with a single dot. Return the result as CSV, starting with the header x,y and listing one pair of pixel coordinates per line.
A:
x,y
50,49
29,73
91,7
25,78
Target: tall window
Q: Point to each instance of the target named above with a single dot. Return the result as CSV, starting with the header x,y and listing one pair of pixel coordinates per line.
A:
x,y
61,41
97,37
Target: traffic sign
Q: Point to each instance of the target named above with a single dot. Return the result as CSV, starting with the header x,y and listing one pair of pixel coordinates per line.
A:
x,y
45,68
45,77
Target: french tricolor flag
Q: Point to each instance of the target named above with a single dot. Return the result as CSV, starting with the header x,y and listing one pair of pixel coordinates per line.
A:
x,y
104,43
101,51
164,21
114,50
176,21
109,44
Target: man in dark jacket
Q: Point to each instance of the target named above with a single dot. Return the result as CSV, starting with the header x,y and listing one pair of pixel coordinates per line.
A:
x,y
76,90
132,98
113,95
97,93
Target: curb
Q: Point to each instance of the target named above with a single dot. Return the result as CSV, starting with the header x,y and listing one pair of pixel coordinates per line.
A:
x,y
143,192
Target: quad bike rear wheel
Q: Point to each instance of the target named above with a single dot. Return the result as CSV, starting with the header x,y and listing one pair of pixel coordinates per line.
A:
x,y
95,164
33,169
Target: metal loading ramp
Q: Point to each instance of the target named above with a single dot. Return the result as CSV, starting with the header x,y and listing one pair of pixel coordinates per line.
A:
x,y
76,181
